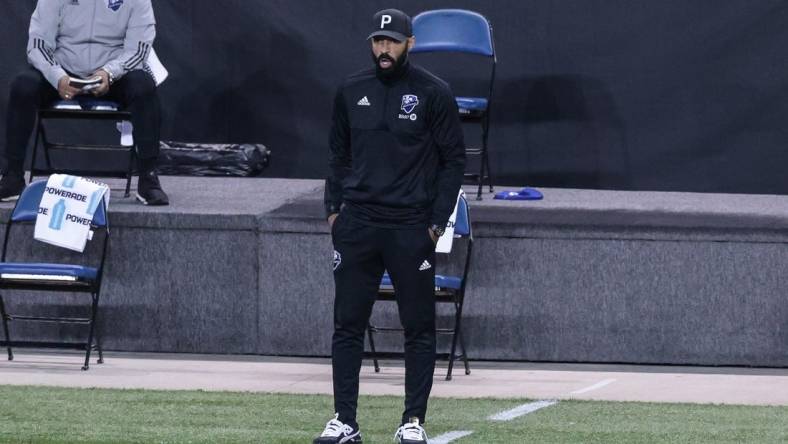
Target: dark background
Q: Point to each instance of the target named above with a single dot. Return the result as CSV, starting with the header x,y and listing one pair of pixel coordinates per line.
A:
x,y
648,95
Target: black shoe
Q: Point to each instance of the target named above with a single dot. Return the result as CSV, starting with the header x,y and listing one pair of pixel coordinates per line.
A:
x,y
11,186
411,433
149,190
337,432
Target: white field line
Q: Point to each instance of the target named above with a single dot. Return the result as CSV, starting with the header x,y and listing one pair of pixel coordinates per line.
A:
x,y
598,385
449,437
524,409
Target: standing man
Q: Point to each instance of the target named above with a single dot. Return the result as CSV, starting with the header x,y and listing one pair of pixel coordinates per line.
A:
x,y
396,166
108,39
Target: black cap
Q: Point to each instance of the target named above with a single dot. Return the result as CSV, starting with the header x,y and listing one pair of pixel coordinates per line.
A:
x,y
391,23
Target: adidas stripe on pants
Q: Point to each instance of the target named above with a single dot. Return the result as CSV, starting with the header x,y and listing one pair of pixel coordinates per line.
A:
x,y
362,254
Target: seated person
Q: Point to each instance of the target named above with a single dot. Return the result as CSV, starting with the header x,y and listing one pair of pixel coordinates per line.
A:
x,y
81,39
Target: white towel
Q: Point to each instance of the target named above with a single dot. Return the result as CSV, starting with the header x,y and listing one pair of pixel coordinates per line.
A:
x,y
157,69
66,210
446,241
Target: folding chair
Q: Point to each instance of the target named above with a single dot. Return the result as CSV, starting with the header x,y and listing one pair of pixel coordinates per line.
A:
x,y
448,290
84,109
458,30
51,277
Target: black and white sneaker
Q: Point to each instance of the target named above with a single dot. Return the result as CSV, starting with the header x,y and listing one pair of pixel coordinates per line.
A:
x,y
11,186
411,433
336,432
149,190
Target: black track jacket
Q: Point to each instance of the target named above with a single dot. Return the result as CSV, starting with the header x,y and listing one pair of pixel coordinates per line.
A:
x,y
396,155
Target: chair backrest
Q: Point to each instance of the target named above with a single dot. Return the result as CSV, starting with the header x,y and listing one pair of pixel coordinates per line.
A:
x,y
26,209
454,30
462,224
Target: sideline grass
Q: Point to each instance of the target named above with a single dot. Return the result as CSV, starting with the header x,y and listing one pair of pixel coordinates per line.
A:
x,y
61,415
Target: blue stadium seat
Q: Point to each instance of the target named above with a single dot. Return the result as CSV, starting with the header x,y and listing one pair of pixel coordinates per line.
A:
x,y
441,281
10,270
461,31
52,277
448,289
468,105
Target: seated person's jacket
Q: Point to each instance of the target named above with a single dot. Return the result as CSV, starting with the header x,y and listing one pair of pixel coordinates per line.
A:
x,y
82,36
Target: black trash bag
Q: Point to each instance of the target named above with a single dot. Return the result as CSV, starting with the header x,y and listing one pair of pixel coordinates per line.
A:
x,y
200,159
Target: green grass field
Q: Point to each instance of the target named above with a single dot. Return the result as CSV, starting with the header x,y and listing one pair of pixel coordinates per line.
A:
x,y
55,415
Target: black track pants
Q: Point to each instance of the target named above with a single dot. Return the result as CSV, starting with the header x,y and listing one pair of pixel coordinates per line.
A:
x,y
135,92
361,254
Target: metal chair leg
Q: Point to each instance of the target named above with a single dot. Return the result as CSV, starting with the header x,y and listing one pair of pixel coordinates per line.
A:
x,y
481,174
99,347
486,160
450,370
457,335
485,155
464,354
372,349
89,345
453,351
5,329
36,140
130,172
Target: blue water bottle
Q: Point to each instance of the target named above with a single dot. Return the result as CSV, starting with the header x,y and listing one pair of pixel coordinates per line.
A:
x,y
58,214
69,181
94,201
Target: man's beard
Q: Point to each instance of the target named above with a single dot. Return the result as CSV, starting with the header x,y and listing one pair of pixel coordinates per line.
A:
x,y
392,72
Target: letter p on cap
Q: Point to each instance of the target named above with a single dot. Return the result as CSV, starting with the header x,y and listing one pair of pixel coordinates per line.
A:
x,y
384,20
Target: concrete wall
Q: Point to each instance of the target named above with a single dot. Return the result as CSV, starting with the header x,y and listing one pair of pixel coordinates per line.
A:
x,y
585,276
